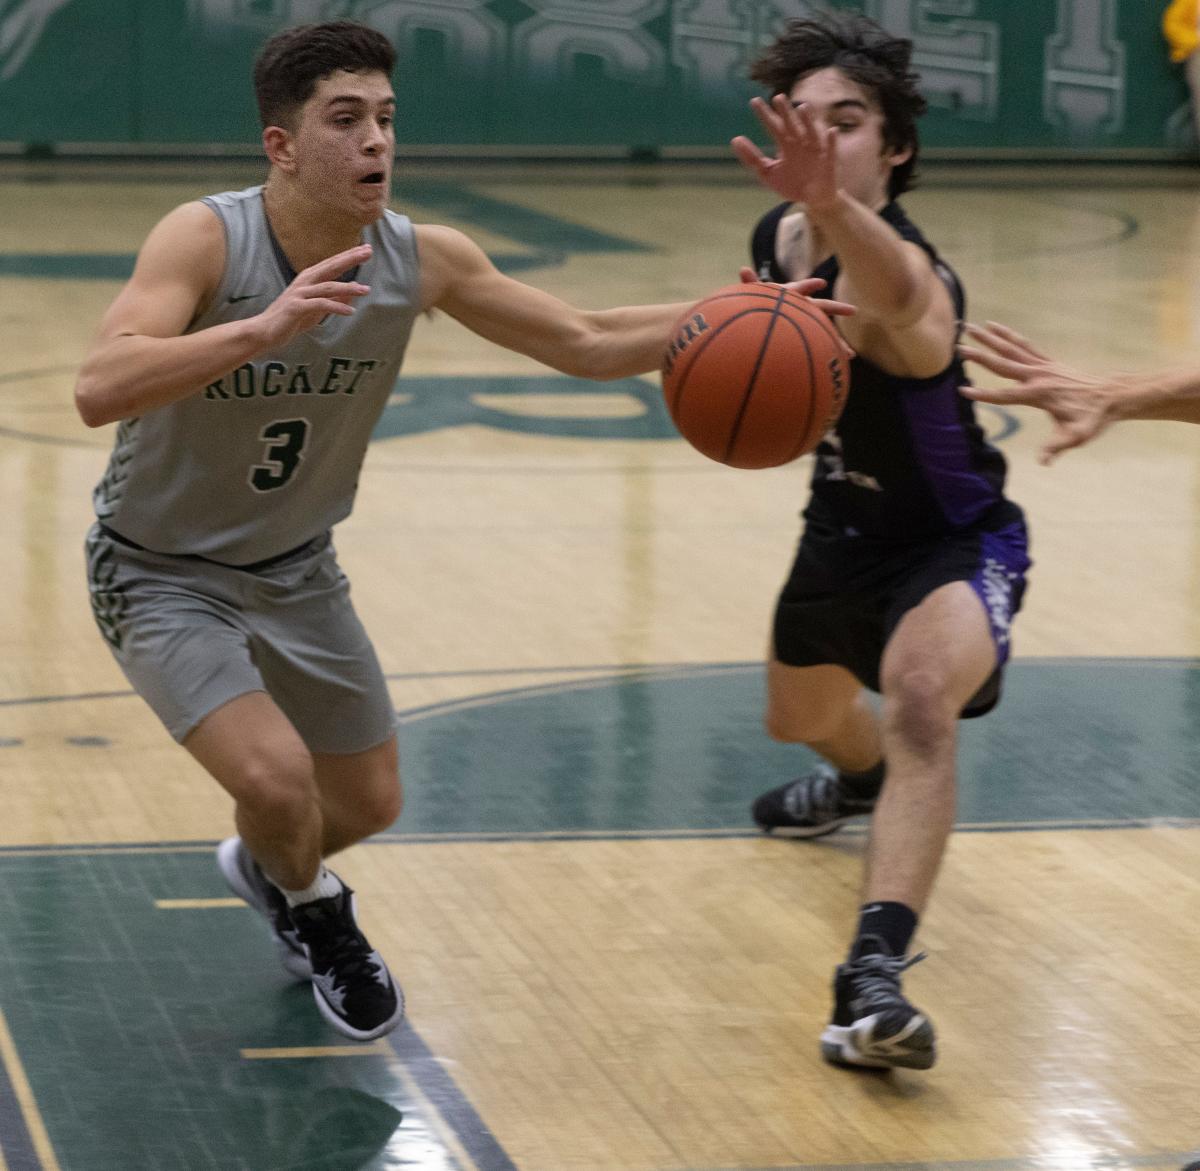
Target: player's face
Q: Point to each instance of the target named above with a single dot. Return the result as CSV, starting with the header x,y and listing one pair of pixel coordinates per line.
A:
x,y
864,160
345,143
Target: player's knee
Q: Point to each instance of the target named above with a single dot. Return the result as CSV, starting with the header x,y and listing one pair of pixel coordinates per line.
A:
x,y
277,792
369,806
382,809
918,709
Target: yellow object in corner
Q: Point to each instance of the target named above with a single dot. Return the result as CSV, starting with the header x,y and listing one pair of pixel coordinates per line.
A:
x,y
1179,25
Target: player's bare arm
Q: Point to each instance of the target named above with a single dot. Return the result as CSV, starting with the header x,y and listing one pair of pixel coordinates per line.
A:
x,y
142,359
458,277
906,319
1081,405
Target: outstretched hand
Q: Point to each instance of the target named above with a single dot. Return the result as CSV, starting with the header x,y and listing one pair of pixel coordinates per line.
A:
x,y
804,169
1080,405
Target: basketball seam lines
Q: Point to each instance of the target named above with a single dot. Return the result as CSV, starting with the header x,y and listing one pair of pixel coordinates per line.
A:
x,y
748,393
831,331
692,358
812,399
822,319
777,302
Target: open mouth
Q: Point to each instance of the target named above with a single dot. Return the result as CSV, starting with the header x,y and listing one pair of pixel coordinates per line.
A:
x,y
374,179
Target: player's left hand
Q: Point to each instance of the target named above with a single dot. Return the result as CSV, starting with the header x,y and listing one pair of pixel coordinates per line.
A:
x,y
806,288
1080,405
804,169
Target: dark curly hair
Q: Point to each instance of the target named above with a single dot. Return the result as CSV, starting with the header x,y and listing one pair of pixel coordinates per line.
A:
x,y
292,62
869,56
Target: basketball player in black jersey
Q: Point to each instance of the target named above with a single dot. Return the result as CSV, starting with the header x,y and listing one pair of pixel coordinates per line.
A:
x,y
912,561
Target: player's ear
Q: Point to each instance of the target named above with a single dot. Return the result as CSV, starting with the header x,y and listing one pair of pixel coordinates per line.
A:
x,y
279,147
898,157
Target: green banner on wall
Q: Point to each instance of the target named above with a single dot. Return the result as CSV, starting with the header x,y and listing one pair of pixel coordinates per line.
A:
x,y
1015,75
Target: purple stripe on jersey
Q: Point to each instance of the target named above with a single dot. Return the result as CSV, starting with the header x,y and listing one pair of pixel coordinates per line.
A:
x,y
1000,581
943,451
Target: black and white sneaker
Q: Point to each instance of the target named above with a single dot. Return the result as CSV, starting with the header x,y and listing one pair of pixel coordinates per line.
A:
x,y
248,882
808,807
873,1026
352,985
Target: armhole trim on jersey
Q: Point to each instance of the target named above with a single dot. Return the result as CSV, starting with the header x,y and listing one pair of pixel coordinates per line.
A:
x,y
404,232
221,291
763,251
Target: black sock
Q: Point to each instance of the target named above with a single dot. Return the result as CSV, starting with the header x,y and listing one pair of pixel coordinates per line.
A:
x,y
884,927
864,786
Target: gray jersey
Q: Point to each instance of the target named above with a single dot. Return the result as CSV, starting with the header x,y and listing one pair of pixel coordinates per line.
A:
x,y
268,456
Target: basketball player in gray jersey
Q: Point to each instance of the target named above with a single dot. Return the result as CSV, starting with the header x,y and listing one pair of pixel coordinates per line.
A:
x,y
290,428
247,361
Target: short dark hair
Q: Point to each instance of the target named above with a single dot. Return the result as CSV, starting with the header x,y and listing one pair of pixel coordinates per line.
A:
x,y
291,63
869,56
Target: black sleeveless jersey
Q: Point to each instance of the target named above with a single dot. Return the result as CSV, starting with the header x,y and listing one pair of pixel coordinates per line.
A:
x,y
907,460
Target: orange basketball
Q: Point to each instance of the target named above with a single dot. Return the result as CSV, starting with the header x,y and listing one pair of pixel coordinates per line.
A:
x,y
754,376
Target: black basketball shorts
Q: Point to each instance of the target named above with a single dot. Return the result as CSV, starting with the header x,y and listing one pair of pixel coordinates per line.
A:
x,y
846,595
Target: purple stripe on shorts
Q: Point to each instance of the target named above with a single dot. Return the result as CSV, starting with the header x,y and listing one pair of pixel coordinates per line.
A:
x,y
1000,581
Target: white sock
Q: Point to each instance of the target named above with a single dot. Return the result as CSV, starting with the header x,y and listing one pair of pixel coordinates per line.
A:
x,y
324,886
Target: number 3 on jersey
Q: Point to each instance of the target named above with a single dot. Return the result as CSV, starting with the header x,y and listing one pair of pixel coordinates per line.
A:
x,y
286,440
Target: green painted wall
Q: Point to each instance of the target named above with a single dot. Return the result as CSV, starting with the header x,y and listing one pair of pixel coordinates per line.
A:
x,y
1031,76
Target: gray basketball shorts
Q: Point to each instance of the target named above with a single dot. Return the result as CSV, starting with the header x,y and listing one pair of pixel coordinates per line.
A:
x,y
191,635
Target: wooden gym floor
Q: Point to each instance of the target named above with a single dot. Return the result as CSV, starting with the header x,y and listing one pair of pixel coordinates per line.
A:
x,y
607,970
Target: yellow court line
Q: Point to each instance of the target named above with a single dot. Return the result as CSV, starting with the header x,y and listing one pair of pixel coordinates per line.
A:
x,y
28,1104
97,851
194,904
378,1049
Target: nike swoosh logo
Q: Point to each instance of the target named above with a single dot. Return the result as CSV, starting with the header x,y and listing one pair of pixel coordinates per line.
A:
x,y
245,297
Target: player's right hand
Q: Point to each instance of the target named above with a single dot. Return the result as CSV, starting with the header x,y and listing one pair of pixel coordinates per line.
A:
x,y
805,167
314,295
1080,405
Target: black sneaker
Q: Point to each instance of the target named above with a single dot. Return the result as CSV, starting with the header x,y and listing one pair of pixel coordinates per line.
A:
x,y
352,985
873,1025
808,807
248,882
